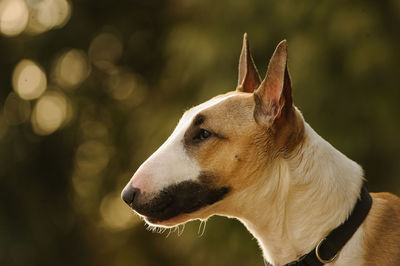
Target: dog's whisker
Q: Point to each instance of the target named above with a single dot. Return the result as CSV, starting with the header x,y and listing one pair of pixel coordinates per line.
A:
x,y
180,229
202,228
169,232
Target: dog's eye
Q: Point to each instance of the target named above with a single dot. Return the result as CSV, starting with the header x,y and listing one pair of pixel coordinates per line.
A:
x,y
202,135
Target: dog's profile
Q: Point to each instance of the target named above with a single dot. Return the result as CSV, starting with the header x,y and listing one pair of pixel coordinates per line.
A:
x,y
249,154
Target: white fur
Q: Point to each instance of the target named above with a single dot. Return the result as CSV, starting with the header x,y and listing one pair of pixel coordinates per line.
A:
x,y
170,164
300,200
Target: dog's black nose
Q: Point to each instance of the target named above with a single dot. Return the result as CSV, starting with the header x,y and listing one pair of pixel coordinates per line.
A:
x,y
129,193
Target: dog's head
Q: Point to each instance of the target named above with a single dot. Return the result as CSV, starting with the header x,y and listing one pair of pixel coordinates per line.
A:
x,y
219,148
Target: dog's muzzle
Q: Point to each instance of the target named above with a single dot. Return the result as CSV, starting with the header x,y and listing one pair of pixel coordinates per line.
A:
x,y
176,199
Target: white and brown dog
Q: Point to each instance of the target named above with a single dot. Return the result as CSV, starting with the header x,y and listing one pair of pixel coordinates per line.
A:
x,y
249,154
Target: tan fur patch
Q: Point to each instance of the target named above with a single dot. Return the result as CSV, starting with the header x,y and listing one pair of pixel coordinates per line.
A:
x,y
382,231
244,147
227,156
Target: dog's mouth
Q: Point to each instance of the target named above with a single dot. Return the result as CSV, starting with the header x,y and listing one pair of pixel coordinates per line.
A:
x,y
183,198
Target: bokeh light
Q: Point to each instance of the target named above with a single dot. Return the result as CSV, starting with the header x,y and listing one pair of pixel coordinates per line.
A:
x,y
71,68
29,80
116,214
47,14
105,50
49,113
91,129
32,16
16,110
92,157
13,17
121,84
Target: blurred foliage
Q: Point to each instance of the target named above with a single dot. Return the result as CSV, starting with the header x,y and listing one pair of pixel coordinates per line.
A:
x,y
90,88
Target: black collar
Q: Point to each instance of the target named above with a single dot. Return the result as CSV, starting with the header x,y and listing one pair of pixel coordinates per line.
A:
x,y
329,247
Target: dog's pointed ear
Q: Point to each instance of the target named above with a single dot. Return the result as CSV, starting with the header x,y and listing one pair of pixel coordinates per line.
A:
x,y
274,96
248,80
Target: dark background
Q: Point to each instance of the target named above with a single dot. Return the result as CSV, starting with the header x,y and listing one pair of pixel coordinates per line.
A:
x,y
120,74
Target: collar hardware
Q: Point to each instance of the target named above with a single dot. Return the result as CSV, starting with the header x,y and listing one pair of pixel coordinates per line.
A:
x,y
319,256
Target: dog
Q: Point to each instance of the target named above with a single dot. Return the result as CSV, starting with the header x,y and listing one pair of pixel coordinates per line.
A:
x,y
249,154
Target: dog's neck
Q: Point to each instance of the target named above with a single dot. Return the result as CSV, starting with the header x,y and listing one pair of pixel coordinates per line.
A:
x,y
299,200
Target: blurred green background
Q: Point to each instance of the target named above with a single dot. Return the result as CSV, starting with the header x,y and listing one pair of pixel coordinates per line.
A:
x,y
90,88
